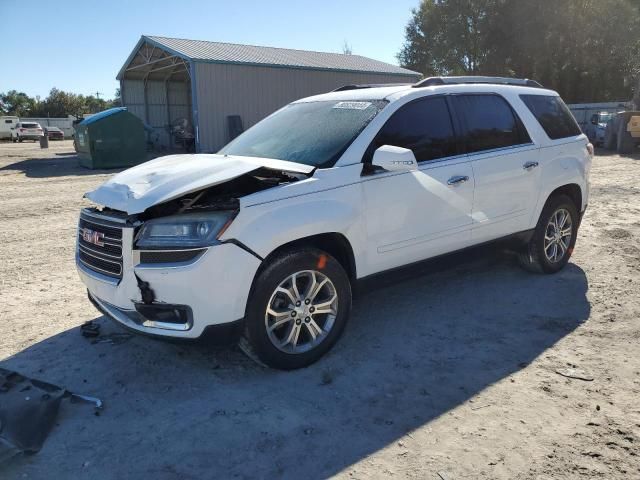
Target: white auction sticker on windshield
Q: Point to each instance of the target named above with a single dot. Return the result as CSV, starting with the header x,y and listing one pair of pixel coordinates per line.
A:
x,y
353,105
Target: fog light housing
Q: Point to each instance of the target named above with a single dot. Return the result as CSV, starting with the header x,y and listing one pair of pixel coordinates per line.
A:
x,y
159,314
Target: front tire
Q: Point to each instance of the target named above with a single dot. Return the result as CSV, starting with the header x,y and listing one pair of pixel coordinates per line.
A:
x,y
298,308
553,240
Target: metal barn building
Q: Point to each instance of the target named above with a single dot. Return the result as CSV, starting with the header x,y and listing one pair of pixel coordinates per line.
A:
x,y
206,83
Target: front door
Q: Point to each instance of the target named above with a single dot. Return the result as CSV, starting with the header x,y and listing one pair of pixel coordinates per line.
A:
x,y
415,215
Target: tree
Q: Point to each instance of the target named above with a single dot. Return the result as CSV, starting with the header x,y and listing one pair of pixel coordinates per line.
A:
x,y
448,37
117,99
16,103
346,49
585,49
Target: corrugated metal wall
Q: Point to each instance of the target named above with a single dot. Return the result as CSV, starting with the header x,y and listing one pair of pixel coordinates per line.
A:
x,y
253,92
166,102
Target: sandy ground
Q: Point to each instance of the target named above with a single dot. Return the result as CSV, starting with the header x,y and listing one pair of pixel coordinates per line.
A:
x,y
447,372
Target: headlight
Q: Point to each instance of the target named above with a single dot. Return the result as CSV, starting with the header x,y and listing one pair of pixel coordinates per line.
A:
x,y
190,230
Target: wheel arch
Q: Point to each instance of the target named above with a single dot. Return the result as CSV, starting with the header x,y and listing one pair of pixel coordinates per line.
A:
x,y
334,243
571,190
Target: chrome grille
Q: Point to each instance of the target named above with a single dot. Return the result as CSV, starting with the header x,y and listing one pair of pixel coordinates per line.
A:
x,y
100,243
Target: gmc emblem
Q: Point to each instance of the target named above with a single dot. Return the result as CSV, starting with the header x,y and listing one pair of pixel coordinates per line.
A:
x,y
91,236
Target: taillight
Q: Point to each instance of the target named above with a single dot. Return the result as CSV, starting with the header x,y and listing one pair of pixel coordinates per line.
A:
x,y
22,129
590,149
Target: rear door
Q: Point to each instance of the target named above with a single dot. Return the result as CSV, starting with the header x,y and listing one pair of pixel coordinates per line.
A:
x,y
415,215
505,165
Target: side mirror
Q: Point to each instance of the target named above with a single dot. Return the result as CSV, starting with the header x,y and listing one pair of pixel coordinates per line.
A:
x,y
394,159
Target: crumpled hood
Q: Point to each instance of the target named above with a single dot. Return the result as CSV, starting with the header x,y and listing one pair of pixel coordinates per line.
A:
x,y
166,178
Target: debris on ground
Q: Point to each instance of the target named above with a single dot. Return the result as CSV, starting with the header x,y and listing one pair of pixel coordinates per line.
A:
x,y
575,374
28,411
90,329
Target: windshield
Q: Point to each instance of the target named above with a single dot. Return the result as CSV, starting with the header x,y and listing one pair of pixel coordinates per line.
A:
x,y
312,133
30,125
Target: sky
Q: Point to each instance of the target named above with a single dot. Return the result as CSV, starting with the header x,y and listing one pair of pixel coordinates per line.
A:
x,y
79,46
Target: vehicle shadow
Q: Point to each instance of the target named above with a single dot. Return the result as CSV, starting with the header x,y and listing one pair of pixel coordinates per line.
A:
x,y
66,165
419,344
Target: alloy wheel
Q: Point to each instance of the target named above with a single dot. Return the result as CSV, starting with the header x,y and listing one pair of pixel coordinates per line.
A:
x,y
557,235
301,311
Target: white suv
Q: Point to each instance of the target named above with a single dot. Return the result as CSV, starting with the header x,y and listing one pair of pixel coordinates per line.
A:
x,y
266,238
26,131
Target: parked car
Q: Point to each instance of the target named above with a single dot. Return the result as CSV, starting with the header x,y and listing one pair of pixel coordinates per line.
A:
x,y
7,124
595,131
54,133
267,238
622,133
26,131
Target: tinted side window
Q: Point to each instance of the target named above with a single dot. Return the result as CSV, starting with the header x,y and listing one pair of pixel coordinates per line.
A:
x,y
423,126
490,123
554,116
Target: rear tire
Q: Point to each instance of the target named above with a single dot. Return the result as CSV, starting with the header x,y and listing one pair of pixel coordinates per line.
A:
x,y
287,330
550,248
19,139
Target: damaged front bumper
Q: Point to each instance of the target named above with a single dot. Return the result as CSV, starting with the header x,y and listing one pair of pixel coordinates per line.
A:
x,y
188,298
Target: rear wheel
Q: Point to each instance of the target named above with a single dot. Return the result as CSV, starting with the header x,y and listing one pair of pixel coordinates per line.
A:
x,y
553,240
298,309
19,139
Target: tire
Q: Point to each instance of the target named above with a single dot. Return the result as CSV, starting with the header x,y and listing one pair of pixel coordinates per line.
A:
x,y
14,139
269,293
533,256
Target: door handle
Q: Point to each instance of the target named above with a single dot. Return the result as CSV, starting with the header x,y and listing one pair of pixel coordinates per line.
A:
x,y
457,180
530,165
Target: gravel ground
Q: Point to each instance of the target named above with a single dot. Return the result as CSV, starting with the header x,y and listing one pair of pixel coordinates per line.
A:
x,y
447,372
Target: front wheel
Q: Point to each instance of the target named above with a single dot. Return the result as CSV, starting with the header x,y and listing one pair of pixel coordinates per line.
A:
x,y
298,308
553,240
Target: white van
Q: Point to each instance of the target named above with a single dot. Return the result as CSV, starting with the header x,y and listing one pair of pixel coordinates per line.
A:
x,y
6,125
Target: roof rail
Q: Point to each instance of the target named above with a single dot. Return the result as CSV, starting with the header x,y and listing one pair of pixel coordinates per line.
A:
x,y
433,81
344,88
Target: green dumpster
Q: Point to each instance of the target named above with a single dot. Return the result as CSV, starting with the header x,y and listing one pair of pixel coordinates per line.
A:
x,y
113,138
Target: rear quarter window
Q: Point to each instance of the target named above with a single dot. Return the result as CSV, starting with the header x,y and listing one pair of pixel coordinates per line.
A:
x,y
553,115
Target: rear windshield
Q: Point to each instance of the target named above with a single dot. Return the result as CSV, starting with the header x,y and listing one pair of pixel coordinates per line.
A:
x,y
312,133
30,125
554,116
